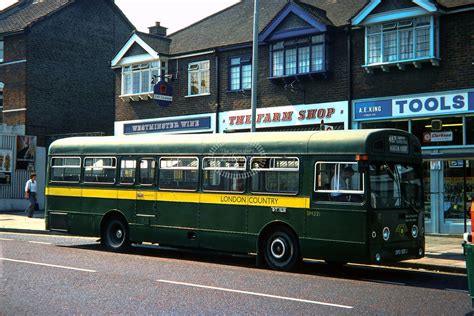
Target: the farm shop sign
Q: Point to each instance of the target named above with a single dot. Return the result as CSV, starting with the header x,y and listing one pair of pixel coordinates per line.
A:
x,y
411,106
196,124
284,116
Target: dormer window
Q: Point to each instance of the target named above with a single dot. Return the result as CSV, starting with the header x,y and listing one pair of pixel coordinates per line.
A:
x,y
401,42
299,56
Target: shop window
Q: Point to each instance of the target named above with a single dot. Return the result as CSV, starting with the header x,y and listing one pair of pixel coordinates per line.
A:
x,y
298,56
403,125
240,73
198,78
427,188
1,96
275,175
138,79
446,131
457,197
406,40
469,130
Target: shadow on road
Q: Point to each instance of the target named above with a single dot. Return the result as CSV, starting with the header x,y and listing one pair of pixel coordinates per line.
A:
x,y
366,273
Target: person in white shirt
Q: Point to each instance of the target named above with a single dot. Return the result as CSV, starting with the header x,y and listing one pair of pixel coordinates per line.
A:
x,y
30,194
340,184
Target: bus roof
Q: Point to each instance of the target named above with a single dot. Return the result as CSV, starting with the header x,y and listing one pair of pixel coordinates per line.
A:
x,y
312,142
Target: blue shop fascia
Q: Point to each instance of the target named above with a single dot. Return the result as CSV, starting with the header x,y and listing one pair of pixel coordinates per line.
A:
x,y
444,123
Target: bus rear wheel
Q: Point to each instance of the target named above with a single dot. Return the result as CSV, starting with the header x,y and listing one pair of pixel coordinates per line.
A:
x,y
281,250
115,235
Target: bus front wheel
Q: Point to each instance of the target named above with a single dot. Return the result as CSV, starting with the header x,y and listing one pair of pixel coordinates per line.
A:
x,y
281,250
115,235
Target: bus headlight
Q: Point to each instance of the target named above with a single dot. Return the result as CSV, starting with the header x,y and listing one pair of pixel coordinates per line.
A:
x,y
414,231
386,233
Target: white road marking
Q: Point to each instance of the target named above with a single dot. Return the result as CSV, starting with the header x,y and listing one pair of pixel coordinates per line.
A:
x,y
47,265
256,294
384,282
6,239
40,242
455,290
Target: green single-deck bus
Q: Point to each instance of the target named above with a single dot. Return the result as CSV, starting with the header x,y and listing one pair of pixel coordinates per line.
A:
x,y
339,196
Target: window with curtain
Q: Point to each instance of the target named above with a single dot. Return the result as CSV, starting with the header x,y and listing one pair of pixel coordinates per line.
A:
x,y
298,56
198,78
138,79
401,40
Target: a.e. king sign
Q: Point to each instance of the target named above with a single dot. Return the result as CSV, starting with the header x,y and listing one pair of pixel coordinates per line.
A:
x,y
284,116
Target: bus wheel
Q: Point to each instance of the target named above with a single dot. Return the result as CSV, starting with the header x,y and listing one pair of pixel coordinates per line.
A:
x,y
115,236
281,250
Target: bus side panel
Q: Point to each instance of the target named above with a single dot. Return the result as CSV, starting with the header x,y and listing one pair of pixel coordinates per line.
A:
x,y
176,223
223,227
261,216
336,234
59,209
95,204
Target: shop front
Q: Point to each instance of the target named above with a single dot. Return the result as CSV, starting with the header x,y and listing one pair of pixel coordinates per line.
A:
x,y
187,124
444,123
318,116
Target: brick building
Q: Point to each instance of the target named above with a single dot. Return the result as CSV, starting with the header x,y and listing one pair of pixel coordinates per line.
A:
x,y
339,64
54,57
55,80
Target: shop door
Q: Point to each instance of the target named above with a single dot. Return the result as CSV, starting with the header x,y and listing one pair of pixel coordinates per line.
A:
x,y
458,184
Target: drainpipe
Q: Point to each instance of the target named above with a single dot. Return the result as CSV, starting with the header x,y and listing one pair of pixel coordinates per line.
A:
x,y
218,91
349,73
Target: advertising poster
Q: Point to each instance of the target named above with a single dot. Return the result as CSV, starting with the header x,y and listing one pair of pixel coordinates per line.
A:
x,y
25,151
5,166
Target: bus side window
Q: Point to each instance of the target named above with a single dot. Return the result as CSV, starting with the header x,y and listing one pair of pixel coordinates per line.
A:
x,y
224,174
339,182
127,171
275,175
179,173
147,171
100,170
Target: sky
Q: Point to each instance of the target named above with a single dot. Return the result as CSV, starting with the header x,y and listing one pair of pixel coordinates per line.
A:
x,y
173,14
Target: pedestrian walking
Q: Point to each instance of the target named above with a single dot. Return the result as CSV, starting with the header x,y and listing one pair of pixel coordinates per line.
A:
x,y
30,194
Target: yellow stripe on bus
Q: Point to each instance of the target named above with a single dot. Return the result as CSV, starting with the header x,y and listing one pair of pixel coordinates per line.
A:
x,y
186,197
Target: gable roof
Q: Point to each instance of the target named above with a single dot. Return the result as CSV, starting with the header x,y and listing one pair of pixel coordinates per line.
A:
x,y
314,18
18,17
21,15
235,24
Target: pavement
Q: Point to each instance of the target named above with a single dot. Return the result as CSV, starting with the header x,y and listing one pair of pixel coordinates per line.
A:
x,y
443,253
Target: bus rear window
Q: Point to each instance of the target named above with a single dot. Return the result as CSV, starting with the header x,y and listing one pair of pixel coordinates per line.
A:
x,y
65,169
179,173
274,175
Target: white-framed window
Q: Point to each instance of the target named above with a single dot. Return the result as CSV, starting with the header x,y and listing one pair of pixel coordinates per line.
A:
x,y
240,73
298,56
138,79
404,40
2,49
198,78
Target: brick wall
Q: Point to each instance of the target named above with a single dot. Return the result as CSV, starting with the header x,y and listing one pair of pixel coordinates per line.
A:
x,y
70,84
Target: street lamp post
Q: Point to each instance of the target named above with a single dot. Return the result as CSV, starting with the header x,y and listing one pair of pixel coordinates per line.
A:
x,y
254,65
